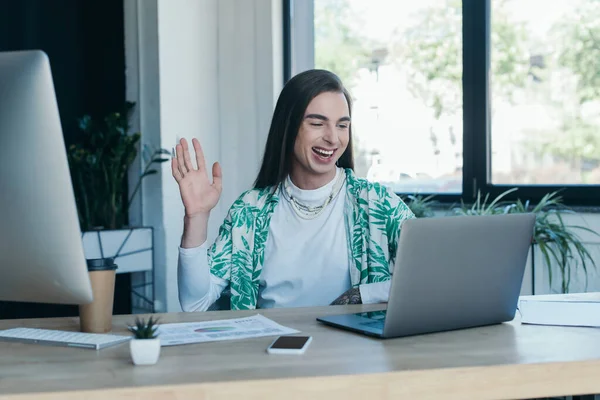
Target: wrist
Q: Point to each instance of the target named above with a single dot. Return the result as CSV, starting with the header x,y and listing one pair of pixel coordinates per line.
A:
x,y
194,230
196,218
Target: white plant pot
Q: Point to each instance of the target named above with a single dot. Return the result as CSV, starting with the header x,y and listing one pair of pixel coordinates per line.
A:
x,y
144,351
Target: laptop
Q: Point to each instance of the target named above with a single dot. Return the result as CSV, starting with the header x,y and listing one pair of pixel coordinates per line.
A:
x,y
450,273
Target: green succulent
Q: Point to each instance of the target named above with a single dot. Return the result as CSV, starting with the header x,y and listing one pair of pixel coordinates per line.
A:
x,y
143,329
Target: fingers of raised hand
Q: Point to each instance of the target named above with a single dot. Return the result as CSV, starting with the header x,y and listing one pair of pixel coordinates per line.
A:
x,y
180,160
217,176
186,155
199,155
175,170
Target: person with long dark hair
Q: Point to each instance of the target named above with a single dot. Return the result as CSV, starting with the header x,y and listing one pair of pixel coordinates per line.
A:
x,y
309,233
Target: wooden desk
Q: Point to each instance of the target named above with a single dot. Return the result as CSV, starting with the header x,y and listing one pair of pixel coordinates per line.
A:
x,y
502,361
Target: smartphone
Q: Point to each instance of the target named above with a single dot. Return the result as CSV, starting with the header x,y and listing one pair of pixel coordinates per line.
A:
x,y
289,345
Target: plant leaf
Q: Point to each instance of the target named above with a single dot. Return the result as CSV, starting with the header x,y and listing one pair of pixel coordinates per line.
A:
x,y
149,172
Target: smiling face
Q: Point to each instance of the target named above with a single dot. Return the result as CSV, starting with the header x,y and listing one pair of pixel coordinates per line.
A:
x,y
322,139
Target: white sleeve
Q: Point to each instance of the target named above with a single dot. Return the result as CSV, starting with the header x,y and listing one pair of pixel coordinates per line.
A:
x,y
377,292
198,288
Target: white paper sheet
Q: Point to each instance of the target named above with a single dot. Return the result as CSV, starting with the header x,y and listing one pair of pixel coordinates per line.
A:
x,y
225,329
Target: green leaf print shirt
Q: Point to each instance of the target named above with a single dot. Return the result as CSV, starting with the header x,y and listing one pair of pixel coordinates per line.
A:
x,y
373,218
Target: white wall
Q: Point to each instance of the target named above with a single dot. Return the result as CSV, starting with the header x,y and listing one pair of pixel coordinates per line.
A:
x,y
250,57
208,69
142,74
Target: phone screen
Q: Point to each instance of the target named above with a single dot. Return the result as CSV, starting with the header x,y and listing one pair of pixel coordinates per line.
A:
x,y
290,342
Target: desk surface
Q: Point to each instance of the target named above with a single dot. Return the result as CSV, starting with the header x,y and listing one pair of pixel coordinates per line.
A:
x,y
508,360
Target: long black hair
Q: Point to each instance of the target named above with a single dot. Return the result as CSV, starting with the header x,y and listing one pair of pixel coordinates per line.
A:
x,y
287,118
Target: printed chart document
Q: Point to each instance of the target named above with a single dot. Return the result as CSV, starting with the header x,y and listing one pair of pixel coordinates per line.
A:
x,y
575,309
226,329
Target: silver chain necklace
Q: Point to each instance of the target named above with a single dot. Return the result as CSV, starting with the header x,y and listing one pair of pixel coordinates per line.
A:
x,y
312,212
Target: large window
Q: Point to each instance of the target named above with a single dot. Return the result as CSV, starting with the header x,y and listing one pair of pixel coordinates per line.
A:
x,y
401,60
545,92
458,97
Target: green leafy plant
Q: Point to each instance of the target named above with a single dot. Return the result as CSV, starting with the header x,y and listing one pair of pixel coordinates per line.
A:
x,y
99,163
481,207
558,242
421,206
143,329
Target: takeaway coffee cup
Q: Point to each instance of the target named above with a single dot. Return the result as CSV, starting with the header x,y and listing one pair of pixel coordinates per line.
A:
x,y
96,317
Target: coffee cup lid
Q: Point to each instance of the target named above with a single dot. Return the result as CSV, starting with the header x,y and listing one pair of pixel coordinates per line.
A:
x,y
101,264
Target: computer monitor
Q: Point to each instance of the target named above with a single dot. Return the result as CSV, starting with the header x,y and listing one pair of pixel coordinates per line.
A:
x,y
41,251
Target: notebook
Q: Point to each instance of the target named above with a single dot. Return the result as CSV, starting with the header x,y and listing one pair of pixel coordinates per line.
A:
x,y
576,309
94,341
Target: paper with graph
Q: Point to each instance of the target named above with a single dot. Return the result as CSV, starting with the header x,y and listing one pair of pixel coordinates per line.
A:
x,y
226,329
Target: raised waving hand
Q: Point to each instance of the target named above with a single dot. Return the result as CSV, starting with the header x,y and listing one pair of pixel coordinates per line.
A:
x,y
198,193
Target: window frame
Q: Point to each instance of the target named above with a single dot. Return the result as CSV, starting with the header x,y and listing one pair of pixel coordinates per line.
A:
x,y
477,167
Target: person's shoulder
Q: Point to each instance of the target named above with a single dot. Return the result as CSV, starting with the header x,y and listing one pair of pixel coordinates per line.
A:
x,y
254,199
363,187
378,197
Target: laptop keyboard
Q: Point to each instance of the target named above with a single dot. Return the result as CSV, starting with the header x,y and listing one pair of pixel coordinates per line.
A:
x,y
374,324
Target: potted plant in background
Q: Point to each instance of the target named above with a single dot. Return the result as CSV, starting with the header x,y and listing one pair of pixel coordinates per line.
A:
x,y
99,164
558,243
421,206
145,345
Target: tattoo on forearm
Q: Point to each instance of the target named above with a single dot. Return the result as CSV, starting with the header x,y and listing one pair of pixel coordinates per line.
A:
x,y
351,296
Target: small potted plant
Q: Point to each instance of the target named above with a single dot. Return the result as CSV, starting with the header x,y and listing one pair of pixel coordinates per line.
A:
x,y
145,345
